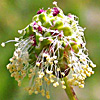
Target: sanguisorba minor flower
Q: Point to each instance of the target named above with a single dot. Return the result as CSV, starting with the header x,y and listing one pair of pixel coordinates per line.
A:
x,y
51,47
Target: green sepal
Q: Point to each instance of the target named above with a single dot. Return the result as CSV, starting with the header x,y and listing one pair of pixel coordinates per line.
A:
x,y
59,15
58,24
52,19
48,11
47,24
28,31
61,51
35,18
45,42
47,34
42,18
76,48
37,36
32,58
63,44
42,44
67,30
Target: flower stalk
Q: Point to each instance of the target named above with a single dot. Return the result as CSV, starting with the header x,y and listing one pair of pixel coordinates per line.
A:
x,y
69,91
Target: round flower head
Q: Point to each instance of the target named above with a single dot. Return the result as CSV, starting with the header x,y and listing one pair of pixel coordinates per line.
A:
x,y
51,47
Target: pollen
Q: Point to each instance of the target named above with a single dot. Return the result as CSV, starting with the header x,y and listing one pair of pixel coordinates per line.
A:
x,y
37,63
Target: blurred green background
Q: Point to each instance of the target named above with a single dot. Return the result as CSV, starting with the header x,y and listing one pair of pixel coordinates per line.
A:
x,y
16,14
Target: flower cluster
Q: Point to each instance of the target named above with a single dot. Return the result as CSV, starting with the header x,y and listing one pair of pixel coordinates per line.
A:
x,y
51,47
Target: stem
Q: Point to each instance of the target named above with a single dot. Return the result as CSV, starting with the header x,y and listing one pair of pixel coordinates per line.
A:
x,y
69,90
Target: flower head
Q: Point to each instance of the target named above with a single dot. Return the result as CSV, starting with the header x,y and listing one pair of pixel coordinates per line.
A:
x,y
50,49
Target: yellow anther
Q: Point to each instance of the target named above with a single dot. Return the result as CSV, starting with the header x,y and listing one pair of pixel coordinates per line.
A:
x,y
70,81
16,78
76,83
40,84
82,82
83,66
27,88
62,82
80,71
37,64
16,39
45,78
89,69
30,92
83,74
33,73
62,73
40,76
3,44
14,69
47,92
42,91
32,88
10,70
19,82
73,69
12,75
19,59
30,76
23,71
63,86
81,86
84,59
54,57
80,77
48,58
74,75
43,94
92,72
38,89
51,62
48,96
42,73
45,55
36,92
51,80
31,70
48,82
58,69
88,74
55,61
8,66
41,39
92,65
49,72
87,66
11,60
55,84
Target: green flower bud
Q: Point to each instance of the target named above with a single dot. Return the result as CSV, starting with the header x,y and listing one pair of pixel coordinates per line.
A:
x,y
67,30
58,24
42,18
